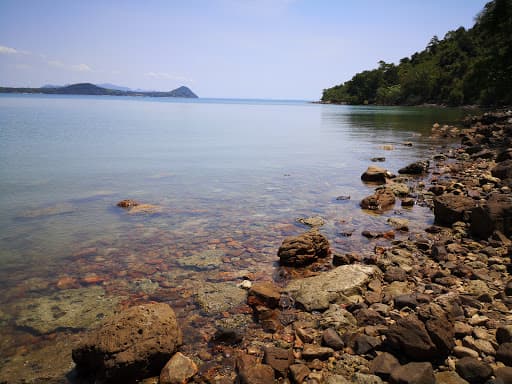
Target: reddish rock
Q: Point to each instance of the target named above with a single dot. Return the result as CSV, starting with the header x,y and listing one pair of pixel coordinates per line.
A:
x,y
473,370
375,175
127,203
381,199
414,373
495,214
384,364
179,369
264,293
279,359
131,345
303,249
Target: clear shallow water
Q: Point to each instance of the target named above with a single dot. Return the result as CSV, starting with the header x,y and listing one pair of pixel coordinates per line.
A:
x,y
230,175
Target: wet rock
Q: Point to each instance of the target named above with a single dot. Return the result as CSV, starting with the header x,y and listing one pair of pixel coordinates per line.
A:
x,y
313,351
131,345
179,369
413,373
280,359
496,214
127,203
504,353
264,293
299,372
450,208
204,260
228,335
399,224
315,221
332,339
416,168
409,337
384,364
375,175
73,309
343,197
380,200
219,297
303,249
407,202
473,370
318,292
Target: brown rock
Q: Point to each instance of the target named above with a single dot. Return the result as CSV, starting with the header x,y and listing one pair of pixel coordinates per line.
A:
x,y
380,200
332,339
375,175
450,208
127,203
264,293
312,351
503,170
256,374
414,373
409,337
416,168
131,345
179,369
303,249
504,353
473,370
384,364
280,359
496,214
299,372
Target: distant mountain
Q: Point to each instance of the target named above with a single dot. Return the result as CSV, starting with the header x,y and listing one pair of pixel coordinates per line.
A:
x,y
91,89
51,86
114,87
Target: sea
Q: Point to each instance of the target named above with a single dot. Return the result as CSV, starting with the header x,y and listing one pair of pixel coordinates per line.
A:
x,y
224,182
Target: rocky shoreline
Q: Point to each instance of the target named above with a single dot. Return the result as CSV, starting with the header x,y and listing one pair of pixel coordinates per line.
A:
x,y
430,307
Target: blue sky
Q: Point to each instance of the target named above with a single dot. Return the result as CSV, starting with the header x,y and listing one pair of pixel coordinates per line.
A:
x,y
281,49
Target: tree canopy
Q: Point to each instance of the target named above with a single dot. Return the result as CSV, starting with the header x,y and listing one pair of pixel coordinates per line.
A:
x,y
465,67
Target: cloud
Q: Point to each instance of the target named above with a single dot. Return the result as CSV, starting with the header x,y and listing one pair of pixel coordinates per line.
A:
x,y
23,66
167,76
69,67
11,51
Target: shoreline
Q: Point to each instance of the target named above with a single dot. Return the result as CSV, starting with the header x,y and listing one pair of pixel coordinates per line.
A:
x,y
444,282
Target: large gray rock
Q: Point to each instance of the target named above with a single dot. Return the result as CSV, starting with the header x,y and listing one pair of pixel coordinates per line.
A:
x,y
131,345
318,292
449,208
73,309
303,249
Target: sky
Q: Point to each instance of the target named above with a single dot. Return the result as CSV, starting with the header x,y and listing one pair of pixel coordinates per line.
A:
x,y
274,49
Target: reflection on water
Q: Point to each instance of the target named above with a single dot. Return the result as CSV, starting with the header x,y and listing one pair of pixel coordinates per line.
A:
x,y
229,179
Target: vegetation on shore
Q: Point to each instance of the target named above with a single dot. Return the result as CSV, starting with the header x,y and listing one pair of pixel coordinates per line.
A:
x,y
466,67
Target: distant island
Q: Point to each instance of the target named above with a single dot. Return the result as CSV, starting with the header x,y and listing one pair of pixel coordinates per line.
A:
x,y
92,89
466,67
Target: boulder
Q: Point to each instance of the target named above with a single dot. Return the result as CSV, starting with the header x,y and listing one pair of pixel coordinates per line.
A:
x,y
504,353
384,364
449,377
449,208
473,370
503,170
382,198
375,175
414,373
178,370
416,168
131,345
409,337
304,249
496,214
318,292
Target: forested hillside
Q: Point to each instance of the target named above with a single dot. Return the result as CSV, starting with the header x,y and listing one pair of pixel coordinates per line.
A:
x,y
465,67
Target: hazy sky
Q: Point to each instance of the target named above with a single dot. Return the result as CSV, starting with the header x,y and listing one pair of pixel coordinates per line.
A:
x,y
219,48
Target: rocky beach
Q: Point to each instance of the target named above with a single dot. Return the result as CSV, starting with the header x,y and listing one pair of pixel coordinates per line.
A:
x,y
413,306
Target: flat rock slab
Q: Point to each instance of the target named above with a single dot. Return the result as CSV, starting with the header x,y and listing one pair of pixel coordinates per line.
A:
x,y
220,297
317,292
74,309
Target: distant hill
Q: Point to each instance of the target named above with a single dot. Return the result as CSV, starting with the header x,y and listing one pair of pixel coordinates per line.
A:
x,y
114,87
91,89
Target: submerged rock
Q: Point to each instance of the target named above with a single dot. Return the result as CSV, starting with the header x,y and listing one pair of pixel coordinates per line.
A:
x,y
75,309
208,259
131,345
303,249
318,292
315,221
380,200
375,175
54,210
220,297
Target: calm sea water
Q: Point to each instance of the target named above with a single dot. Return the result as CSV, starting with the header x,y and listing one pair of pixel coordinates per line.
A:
x,y
228,174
